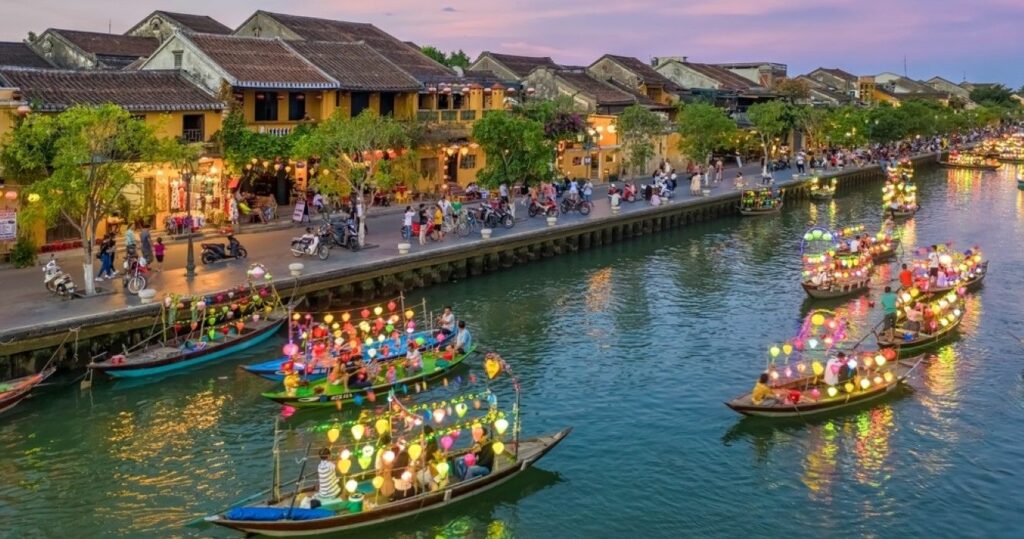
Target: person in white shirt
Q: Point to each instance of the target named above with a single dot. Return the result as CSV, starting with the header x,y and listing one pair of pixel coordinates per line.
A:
x,y
933,264
407,222
327,477
447,321
463,339
574,190
855,244
503,192
832,369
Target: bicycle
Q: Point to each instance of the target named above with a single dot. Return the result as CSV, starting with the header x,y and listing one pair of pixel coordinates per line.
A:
x,y
467,223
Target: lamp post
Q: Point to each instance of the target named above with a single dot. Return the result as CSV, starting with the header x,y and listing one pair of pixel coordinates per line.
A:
x,y
190,260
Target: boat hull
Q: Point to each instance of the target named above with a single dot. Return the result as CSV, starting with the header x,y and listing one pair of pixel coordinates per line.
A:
x,y
819,196
184,361
970,285
1020,184
945,164
398,510
882,256
918,344
768,211
23,388
851,289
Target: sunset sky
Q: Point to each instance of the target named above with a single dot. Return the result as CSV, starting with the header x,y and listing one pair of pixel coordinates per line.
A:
x,y
981,39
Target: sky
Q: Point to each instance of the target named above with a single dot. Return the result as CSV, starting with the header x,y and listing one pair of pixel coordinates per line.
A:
x,y
980,40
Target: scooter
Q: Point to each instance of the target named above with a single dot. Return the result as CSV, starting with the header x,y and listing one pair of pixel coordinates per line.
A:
x,y
344,234
629,193
214,252
135,270
58,282
313,243
549,209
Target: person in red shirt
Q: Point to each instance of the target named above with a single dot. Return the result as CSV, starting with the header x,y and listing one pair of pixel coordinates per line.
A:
x,y
906,277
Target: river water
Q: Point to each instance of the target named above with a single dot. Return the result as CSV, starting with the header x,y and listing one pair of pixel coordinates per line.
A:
x,y
636,346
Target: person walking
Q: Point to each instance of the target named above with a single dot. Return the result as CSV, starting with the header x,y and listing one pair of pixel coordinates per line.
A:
x,y
588,191
147,244
719,170
129,239
158,251
106,268
423,224
407,222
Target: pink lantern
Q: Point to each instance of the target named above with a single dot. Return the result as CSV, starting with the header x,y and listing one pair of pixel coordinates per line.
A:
x,y
11,195
290,349
815,394
469,459
440,337
446,442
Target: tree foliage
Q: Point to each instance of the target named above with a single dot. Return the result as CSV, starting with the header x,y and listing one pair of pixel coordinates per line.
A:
x,y
995,95
637,128
239,143
516,149
792,90
357,155
702,128
79,162
453,59
773,120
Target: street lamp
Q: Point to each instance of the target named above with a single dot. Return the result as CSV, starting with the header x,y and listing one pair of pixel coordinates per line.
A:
x,y
190,260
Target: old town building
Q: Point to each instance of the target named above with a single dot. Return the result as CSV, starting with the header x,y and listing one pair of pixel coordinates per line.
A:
x,y
74,49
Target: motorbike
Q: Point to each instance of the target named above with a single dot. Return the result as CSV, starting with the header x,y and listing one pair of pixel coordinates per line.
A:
x,y
492,216
135,270
576,204
58,282
311,243
213,252
549,209
344,234
627,193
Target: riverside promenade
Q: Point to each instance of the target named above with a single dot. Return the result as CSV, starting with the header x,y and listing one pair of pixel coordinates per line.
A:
x,y
36,320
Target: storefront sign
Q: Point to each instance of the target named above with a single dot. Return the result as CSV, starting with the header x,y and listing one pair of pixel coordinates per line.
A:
x,y
300,208
8,225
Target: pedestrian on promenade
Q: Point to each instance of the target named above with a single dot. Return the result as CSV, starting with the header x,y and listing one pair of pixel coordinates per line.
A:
x,y
407,222
800,163
129,239
423,224
158,250
438,222
588,191
147,244
106,268
503,192
719,170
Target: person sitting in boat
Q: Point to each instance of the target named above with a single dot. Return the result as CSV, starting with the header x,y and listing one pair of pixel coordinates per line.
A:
x,y
832,367
328,487
447,321
413,359
483,451
855,245
763,394
894,207
846,372
428,477
463,339
360,379
915,316
401,474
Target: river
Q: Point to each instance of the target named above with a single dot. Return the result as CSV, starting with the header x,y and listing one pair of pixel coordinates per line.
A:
x,y
636,346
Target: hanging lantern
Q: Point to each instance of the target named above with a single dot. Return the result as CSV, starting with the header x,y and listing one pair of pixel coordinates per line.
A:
x,y
33,197
11,195
333,434
501,425
357,432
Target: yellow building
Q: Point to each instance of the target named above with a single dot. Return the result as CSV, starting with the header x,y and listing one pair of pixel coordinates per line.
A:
x,y
166,100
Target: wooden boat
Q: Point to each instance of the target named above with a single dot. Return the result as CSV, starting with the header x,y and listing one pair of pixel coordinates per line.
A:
x,y
14,391
762,211
948,164
325,393
915,341
808,406
837,290
508,464
885,252
750,202
272,370
819,192
902,213
1012,160
168,356
1020,183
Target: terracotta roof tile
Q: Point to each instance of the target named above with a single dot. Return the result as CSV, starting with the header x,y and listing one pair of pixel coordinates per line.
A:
x,y
725,78
399,52
109,44
137,91
522,65
356,66
260,62
198,23
644,71
20,55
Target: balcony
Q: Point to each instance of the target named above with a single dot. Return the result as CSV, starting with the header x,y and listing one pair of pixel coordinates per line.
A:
x,y
467,115
447,115
192,135
274,130
429,116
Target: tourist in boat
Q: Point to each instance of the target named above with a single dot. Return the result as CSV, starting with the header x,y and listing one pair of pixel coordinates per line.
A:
x,y
832,367
401,474
906,278
463,339
846,371
359,379
915,316
413,359
447,321
933,264
763,394
888,301
483,453
328,487
855,244
893,208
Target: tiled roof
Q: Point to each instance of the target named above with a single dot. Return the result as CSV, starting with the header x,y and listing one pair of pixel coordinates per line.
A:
x,y
356,66
644,71
198,23
726,79
400,53
260,62
824,90
110,44
20,55
839,74
137,91
521,65
639,98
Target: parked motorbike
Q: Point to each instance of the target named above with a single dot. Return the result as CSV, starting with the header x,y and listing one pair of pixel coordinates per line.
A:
x,y
492,216
58,282
135,270
549,209
214,252
627,193
345,234
313,243
576,204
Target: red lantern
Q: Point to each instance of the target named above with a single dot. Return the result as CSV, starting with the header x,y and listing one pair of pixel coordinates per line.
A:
x,y
365,313
239,325
392,305
225,330
194,325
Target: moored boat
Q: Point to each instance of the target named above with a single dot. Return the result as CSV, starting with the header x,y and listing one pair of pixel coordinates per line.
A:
x,y
764,201
14,391
252,317
970,161
819,190
966,166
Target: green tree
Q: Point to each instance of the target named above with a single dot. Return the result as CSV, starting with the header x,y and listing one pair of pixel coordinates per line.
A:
x,y
702,128
772,120
81,160
239,144
847,126
453,59
434,53
637,128
792,90
516,149
354,156
885,124
996,95
813,122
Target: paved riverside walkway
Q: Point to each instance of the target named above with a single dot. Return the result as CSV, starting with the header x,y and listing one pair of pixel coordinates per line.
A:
x,y
31,308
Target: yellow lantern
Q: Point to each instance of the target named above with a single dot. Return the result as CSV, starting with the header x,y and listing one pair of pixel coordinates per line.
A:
x,y
345,317
358,431
378,482
849,387
351,486
818,319
878,380
818,368
409,314
888,377
880,360
344,465
442,470
329,318
501,425
377,310
415,450
498,447
333,434
787,349
382,426
832,391
774,351
865,383
296,316
369,341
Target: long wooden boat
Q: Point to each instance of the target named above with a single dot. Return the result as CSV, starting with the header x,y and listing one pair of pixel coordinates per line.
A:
x,y
948,164
902,213
832,291
970,284
918,340
326,393
14,391
508,464
1011,160
808,407
882,255
821,194
272,370
762,211
172,355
